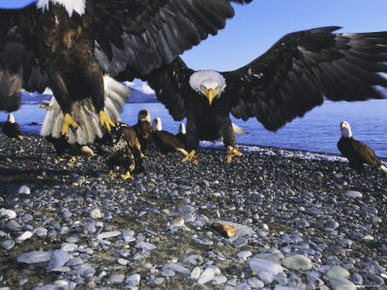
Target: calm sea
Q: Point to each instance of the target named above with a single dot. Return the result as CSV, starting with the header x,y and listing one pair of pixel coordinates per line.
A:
x,y
317,131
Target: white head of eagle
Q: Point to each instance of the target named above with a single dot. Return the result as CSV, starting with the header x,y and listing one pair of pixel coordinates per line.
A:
x,y
345,129
156,124
11,118
70,5
209,83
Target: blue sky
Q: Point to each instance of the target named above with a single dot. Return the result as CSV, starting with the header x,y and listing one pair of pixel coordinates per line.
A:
x,y
258,25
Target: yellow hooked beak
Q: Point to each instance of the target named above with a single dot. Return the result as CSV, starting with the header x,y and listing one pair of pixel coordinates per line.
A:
x,y
210,94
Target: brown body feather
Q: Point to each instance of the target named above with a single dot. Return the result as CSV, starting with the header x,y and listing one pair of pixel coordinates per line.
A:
x,y
358,153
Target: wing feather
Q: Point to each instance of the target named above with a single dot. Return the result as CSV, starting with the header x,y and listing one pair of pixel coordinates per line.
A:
x,y
140,35
302,68
171,84
17,57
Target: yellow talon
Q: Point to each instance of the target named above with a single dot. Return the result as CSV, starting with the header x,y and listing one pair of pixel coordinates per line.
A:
x,y
231,152
191,156
60,159
127,175
73,159
67,122
104,121
111,174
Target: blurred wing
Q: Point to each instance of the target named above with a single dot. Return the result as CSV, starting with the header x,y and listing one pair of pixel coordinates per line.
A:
x,y
171,84
19,66
304,67
140,35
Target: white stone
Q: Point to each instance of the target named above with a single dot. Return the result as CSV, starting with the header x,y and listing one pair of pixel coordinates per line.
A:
x,y
179,221
107,235
8,213
24,236
261,265
145,246
177,268
195,273
96,213
244,254
266,277
58,259
353,194
68,247
8,244
116,279
219,280
255,283
206,276
133,280
61,283
24,189
34,257
342,284
297,262
337,272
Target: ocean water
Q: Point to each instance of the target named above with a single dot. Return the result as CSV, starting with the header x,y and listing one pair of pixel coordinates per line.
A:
x,y
317,131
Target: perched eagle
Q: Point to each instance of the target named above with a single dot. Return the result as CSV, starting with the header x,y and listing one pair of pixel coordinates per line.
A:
x,y
12,129
291,78
68,44
143,129
166,141
122,149
357,152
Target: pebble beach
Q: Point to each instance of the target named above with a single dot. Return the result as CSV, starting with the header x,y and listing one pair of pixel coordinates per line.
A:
x,y
272,219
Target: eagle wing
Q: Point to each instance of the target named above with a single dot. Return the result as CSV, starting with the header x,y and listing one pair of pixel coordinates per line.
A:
x,y
139,35
171,84
304,67
19,66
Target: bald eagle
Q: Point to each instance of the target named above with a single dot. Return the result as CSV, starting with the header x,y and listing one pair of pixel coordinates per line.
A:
x,y
291,78
143,129
12,129
122,149
67,45
357,152
166,141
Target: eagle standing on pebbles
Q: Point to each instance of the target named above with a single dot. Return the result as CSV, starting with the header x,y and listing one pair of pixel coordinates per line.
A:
x,y
12,129
122,149
67,45
357,152
291,78
143,129
165,141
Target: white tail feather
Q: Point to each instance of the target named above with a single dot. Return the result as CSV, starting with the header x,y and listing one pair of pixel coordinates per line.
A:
x,y
382,167
83,112
238,130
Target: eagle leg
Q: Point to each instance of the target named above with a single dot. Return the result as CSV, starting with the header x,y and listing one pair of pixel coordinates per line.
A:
x,y
127,175
105,121
67,122
111,174
231,152
191,157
